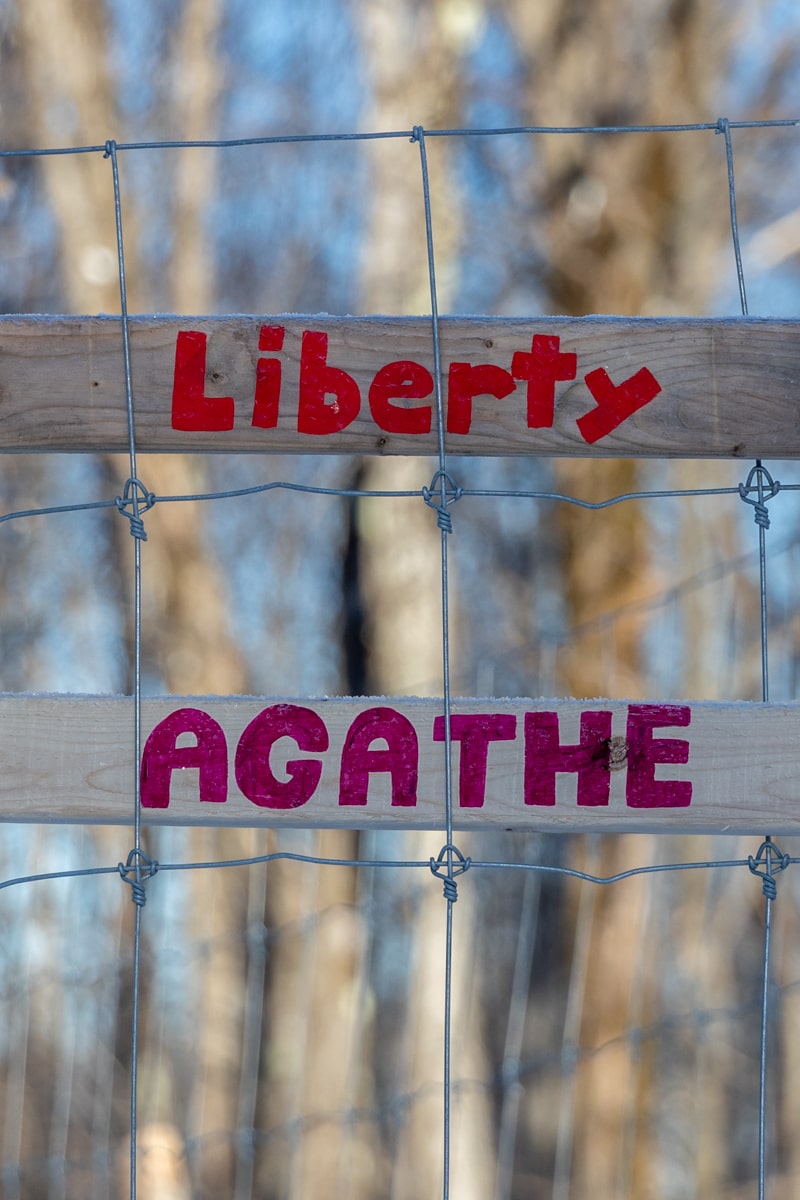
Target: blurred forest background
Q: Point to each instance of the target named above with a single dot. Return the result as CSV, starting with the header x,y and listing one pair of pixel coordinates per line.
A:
x,y
606,1040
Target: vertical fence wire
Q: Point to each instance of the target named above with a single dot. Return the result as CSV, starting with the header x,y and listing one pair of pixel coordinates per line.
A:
x,y
758,490
508,1119
137,531
762,522
445,528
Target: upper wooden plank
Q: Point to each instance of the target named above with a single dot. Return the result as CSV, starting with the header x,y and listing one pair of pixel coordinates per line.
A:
x,y
601,386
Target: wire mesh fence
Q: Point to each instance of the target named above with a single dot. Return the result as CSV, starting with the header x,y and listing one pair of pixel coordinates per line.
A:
x,y
327,1012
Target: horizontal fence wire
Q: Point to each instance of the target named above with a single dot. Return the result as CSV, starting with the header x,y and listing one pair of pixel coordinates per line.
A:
x,y
718,126
453,869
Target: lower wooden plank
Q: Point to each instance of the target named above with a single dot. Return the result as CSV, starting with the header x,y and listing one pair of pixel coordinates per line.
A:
x,y
594,386
517,764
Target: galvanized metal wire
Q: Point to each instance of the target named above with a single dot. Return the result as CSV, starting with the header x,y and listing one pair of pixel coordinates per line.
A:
x,y
757,489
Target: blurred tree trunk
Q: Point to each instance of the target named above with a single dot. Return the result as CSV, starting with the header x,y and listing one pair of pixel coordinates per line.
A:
x,y
317,1027
186,640
630,227
413,57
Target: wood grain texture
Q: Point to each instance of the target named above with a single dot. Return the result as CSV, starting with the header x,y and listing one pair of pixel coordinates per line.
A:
x,y
69,759
729,388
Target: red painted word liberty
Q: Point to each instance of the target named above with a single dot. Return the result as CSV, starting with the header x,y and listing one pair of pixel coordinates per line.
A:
x,y
400,394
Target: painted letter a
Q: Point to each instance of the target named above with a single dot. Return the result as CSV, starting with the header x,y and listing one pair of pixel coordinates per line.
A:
x,y
162,755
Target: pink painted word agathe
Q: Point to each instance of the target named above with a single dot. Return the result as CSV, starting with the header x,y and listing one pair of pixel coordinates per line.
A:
x,y
329,399
383,740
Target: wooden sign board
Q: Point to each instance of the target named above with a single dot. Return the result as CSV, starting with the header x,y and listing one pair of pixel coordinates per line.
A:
x,y
516,764
604,386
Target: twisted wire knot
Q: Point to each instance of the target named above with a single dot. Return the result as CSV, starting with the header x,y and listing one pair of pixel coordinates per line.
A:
x,y
449,492
138,868
111,146
761,513
417,133
135,500
449,863
768,863
765,488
